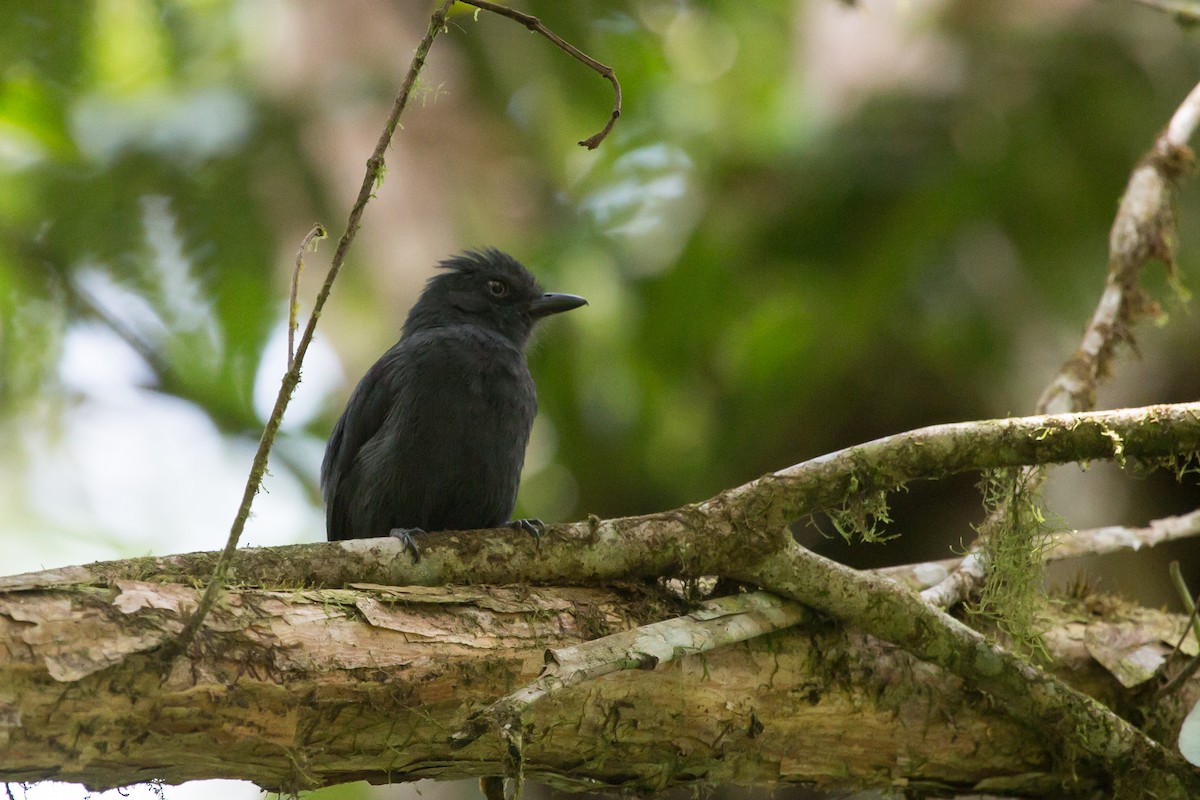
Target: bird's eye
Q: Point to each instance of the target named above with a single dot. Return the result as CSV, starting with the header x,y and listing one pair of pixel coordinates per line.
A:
x,y
497,288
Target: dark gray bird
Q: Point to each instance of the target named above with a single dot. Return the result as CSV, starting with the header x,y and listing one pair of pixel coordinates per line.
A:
x,y
434,436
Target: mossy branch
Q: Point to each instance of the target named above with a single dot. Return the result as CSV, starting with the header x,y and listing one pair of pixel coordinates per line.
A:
x,y
1079,727
742,534
1143,233
295,690
717,536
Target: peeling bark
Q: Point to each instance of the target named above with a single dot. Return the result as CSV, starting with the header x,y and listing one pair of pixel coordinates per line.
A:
x,y
307,688
305,676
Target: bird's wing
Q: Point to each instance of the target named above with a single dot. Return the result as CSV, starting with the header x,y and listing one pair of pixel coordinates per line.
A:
x,y
434,435
364,415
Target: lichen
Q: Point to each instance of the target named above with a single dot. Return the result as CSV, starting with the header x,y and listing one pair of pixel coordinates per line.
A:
x,y
1013,544
863,515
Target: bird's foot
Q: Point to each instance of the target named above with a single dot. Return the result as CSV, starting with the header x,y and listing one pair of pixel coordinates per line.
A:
x,y
534,527
405,535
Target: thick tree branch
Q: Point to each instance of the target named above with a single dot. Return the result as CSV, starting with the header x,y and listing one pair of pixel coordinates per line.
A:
x,y
740,533
301,689
718,536
1068,722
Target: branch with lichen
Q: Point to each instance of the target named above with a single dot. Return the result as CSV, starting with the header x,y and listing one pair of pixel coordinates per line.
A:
x,y
712,537
1062,545
742,534
300,689
1014,547
1142,233
1075,725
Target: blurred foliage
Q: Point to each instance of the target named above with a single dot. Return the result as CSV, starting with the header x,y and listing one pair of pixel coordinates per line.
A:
x,y
813,224
789,247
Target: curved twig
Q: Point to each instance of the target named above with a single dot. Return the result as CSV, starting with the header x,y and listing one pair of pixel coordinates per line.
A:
x,y
534,24
314,235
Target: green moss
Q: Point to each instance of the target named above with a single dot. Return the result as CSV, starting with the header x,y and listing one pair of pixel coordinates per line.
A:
x,y
863,515
1013,544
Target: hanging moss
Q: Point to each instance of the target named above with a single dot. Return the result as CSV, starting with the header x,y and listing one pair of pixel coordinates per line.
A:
x,y
1014,543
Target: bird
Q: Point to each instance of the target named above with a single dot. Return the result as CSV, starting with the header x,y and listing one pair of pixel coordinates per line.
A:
x,y
433,437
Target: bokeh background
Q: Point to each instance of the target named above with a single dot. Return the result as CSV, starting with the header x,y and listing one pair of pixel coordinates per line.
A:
x,y
814,224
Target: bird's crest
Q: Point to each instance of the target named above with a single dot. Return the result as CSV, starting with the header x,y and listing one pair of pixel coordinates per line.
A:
x,y
489,259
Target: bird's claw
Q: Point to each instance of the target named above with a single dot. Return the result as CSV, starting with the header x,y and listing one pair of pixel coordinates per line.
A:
x,y
534,527
405,535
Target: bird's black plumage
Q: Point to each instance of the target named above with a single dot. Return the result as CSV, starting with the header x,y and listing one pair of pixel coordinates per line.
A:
x,y
434,435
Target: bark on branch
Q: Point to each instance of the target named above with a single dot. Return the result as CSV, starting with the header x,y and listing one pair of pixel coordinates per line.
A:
x,y
723,535
294,690
85,636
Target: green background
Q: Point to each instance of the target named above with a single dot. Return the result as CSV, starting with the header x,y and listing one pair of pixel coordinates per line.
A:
x,y
813,225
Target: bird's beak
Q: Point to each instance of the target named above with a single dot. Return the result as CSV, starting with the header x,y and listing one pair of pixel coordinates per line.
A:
x,y
552,303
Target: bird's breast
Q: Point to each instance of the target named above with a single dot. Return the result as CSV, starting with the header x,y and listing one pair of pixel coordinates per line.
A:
x,y
476,381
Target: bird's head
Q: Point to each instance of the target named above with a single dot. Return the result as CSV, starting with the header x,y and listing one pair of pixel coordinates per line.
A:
x,y
490,289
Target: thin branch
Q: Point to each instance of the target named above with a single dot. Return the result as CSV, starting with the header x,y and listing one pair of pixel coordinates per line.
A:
x,y
716,623
1185,597
535,25
311,238
1183,122
1115,538
373,176
1177,682
1062,545
1183,11
1143,231
374,173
